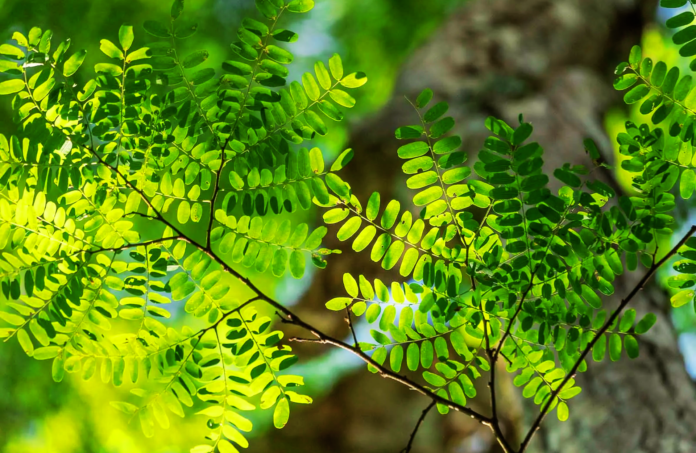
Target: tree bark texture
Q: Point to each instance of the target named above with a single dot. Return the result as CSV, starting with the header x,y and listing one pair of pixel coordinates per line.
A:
x,y
553,61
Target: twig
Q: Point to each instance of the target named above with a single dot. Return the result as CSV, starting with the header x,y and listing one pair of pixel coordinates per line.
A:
x,y
493,359
322,338
535,426
418,425
508,330
349,320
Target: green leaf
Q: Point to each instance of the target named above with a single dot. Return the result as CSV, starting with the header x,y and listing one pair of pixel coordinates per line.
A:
x,y
599,349
110,50
279,55
126,36
635,56
682,298
412,150
281,414
591,297
380,337
396,358
406,132
11,51
11,86
315,122
58,369
124,407
631,345
194,59
627,320
330,110
183,213
687,183
615,347
522,133
310,86
297,264
73,63
156,29
354,80
350,284
322,75
177,8
625,81
412,357
339,303
342,160
390,214
25,342
46,353
300,6
680,20
433,379
562,411
342,98
349,228
424,98
672,3
435,112
223,446
428,196
636,94
645,324
20,39
336,67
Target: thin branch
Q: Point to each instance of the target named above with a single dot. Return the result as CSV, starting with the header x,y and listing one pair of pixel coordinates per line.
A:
x,y
245,96
418,425
323,338
349,320
136,244
493,359
540,418
508,329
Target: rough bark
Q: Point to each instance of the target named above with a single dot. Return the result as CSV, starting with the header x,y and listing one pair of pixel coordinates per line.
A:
x,y
551,60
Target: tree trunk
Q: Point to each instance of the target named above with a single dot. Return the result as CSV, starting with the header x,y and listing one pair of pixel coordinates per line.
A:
x,y
553,61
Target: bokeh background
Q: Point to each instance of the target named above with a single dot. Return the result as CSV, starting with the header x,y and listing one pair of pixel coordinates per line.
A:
x,y
552,60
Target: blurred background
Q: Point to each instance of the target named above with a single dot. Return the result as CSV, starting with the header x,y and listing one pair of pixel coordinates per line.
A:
x,y
553,61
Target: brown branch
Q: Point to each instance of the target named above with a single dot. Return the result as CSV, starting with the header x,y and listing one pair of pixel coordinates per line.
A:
x,y
508,329
323,338
136,244
349,320
418,425
493,359
540,418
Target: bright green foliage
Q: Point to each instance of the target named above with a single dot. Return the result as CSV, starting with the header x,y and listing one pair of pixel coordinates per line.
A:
x,y
526,283
155,183
162,181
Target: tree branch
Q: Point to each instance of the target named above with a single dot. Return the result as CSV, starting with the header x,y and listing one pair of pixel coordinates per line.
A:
x,y
323,338
418,425
540,418
349,320
493,359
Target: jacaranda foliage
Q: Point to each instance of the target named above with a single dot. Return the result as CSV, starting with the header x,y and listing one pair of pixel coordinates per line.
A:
x,y
163,181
